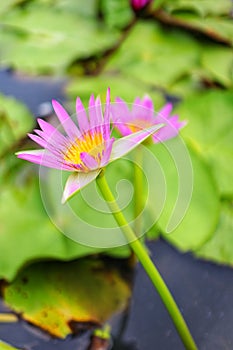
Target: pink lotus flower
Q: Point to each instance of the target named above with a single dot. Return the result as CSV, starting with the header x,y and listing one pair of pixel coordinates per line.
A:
x,y
86,148
143,116
139,4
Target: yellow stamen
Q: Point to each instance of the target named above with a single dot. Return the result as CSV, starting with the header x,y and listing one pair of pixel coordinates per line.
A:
x,y
91,143
139,124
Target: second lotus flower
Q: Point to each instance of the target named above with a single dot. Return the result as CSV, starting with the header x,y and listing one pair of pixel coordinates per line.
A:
x,y
142,115
87,146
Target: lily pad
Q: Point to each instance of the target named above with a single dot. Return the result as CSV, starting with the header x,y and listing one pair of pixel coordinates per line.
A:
x,y
31,228
120,84
117,13
154,55
220,246
55,295
212,111
184,223
15,122
51,48
200,7
5,346
218,61
220,29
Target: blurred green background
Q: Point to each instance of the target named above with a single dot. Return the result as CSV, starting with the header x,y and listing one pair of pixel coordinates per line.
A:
x,y
176,50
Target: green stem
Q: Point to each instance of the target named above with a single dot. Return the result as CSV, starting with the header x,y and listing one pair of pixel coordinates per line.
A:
x,y
138,195
147,263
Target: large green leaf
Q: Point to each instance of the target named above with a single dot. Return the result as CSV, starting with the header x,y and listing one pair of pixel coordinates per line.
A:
x,y
210,129
216,27
154,55
31,229
7,5
86,218
218,61
201,7
122,86
55,295
189,225
220,246
63,38
117,13
5,346
15,122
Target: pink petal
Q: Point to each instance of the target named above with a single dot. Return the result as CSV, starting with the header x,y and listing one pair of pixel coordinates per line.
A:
x,y
94,121
123,128
83,122
120,112
169,130
107,108
165,111
107,111
147,102
51,132
38,140
88,160
126,144
67,123
76,181
44,158
107,152
52,142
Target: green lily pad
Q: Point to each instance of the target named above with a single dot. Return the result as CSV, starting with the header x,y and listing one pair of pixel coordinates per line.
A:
x,y
117,13
7,5
55,295
218,61
5,346
154,55
120,85
212,111
31,228
51,48
15,122
200,7
216,27
185,223
220,246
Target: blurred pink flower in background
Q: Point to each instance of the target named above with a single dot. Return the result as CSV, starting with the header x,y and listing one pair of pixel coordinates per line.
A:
x,y
139,4
142,115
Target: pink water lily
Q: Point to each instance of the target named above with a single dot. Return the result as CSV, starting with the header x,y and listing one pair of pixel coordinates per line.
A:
x,y
85,148
139,4
142,115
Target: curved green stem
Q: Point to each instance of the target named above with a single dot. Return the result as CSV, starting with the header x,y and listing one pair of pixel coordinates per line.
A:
x,y
138,195
147,263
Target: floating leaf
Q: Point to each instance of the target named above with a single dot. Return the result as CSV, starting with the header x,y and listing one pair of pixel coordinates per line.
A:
x,y
220,246
218,61
51,47
212,111
120,85
220,29
55,295
31,229
15,122
154,55
202,8
117,13
8,5
5,346
186,223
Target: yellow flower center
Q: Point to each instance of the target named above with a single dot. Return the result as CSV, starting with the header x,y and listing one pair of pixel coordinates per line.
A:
x,y
91,143
139,124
